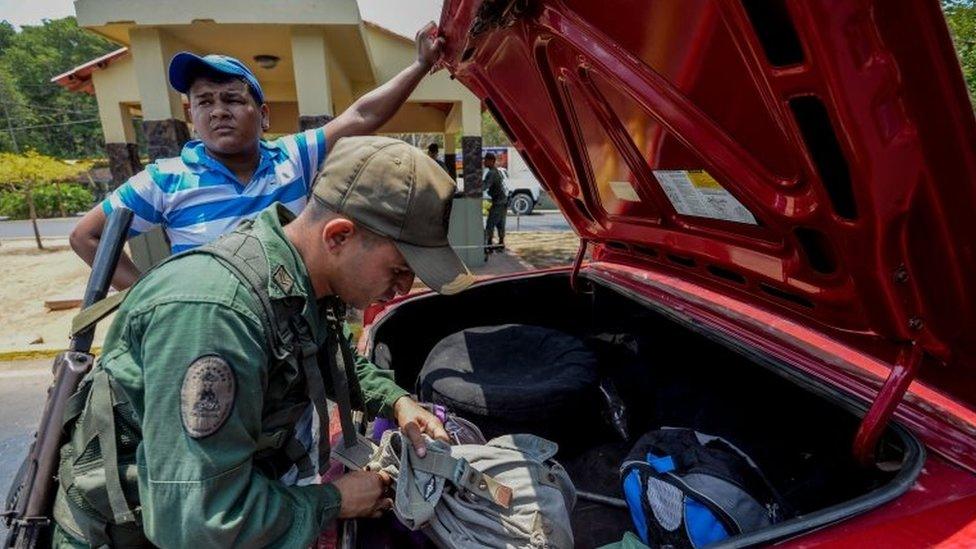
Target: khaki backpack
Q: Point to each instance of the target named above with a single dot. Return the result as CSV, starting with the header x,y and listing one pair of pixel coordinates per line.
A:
x,y
506,493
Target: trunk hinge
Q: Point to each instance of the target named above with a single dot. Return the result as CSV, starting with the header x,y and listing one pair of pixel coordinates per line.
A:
x,y
498,13
573,276
879,414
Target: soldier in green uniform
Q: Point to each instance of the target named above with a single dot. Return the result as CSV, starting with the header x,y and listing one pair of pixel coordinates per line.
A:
x,y
184,433
495,187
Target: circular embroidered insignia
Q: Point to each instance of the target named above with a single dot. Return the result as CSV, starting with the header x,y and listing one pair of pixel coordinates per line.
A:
x,y
207,395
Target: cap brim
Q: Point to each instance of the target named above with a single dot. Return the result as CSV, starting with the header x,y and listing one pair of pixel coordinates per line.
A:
x,y
438,267
182,67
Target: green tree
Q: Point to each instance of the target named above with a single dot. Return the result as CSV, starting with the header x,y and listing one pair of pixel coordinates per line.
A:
x,y
491,133
25,172
7,32
30,58
14,112
961,18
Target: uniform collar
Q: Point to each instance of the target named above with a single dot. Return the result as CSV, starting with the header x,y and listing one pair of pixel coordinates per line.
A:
x,y
289,280
194,154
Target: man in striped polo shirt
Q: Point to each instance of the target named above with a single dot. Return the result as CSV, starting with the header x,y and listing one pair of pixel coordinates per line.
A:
x,y
230,173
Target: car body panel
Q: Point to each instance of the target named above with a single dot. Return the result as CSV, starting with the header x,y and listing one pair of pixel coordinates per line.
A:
x,y
937,511
851,154
836,140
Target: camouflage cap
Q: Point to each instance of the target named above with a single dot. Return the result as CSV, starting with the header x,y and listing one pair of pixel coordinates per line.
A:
x,y
396,190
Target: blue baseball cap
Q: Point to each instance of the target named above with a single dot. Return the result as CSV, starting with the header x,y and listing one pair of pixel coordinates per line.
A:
x,y
186,66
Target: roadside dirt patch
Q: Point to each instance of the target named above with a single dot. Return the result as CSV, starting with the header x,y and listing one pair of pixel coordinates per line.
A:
x,y
28,276
544,249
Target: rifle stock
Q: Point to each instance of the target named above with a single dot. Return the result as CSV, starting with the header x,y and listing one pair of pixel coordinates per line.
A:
x,y
28,506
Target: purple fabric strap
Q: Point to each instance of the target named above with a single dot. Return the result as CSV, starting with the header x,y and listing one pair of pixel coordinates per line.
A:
x,y
440,412
382,425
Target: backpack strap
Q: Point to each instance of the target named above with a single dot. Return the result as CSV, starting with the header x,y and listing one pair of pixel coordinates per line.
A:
x,y
286,329
104,422
225,249
462,475
314,384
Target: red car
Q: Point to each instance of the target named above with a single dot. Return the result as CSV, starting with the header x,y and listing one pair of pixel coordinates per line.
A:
x,y
780,201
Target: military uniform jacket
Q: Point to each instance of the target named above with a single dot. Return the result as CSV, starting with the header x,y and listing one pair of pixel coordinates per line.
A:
x,y
496,187
189,353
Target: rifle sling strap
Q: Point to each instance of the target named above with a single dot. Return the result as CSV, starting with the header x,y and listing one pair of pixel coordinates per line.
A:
x,y
91,315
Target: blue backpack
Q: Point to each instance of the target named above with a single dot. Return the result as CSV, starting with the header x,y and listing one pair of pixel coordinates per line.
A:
x,y
688,489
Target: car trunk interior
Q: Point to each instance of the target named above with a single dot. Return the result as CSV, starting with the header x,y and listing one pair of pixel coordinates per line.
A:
x,y
668,372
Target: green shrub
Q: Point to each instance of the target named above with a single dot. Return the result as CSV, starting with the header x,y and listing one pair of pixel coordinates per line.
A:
x,y
76,198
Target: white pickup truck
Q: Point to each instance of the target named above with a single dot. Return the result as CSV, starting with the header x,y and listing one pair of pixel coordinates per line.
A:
x,y
524,190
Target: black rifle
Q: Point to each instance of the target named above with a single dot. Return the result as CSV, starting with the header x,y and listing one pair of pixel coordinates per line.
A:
x,y
28,508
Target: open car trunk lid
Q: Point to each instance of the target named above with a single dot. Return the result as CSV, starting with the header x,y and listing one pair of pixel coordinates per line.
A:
x,y
812,158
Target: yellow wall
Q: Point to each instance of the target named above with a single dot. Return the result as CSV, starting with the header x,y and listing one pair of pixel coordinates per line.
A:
x,y
152,49
284,117
112,17
279,91
392,54
342,95
312,71
115,87
338,71
415,118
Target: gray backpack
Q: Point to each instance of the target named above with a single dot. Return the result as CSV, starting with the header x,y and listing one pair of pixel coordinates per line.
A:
x,y
506,493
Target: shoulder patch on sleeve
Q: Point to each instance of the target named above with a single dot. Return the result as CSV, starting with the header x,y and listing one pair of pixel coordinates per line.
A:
x,y
207,395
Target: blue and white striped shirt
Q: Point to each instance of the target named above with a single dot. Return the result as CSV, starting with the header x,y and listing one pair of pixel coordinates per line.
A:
x,y
196,199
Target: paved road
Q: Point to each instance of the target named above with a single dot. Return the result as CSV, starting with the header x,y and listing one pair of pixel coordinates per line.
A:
x,y
57,227
545,220
23,386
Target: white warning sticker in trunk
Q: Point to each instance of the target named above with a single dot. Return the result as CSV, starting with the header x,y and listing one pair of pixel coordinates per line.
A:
x,y
697,193
623,190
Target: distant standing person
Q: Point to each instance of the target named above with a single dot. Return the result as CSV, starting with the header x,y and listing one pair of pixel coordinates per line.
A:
x,y
432,151
499,201
230,173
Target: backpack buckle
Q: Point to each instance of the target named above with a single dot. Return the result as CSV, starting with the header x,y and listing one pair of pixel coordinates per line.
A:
x,y
481,485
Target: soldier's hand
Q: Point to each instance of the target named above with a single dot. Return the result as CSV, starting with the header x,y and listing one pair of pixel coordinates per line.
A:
x,y
415,421
364,494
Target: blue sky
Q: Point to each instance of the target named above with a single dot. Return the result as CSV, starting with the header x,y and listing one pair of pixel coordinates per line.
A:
x,y
403,16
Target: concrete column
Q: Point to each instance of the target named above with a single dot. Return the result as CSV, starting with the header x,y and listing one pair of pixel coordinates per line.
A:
x,y
471,147
472,164
120,139
450,154
467,224
123,161
313,83
115,92
165,138
164,121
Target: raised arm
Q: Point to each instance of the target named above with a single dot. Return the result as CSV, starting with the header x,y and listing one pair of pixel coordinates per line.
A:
x,y
374,109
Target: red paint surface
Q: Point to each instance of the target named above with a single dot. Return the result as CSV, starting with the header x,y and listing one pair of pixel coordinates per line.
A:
x,y
594,92
939,511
